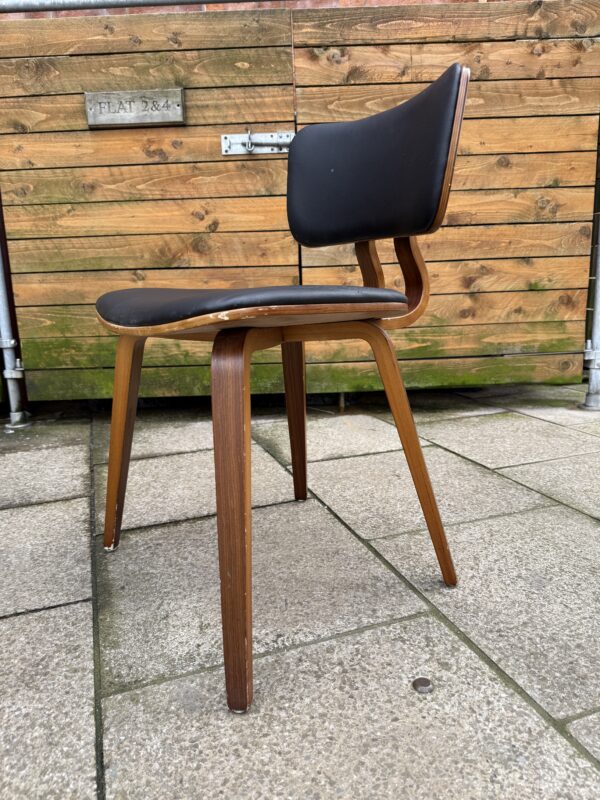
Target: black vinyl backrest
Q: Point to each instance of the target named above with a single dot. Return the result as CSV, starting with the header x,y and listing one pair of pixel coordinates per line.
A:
x,y
379,177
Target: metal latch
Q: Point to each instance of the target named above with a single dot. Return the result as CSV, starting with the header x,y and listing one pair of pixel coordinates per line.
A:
x,y
591,357
8,344
239,144
16,374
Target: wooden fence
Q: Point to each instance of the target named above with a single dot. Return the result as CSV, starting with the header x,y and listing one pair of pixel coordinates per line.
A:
x,y
90,211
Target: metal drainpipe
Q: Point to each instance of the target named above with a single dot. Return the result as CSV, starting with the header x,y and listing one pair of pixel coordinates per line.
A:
x,y
57,5
13,372
592,345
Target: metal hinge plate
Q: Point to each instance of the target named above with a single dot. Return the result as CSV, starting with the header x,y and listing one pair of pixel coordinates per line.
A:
x,y
239,144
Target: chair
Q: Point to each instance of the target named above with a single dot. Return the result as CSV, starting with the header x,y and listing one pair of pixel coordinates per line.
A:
x,y
386,176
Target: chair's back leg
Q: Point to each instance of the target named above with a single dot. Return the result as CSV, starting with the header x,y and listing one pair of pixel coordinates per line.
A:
x,y
401,411
231,428
295,403
130,351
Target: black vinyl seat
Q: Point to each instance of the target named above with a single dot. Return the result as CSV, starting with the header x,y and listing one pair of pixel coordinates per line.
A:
x,y
141,307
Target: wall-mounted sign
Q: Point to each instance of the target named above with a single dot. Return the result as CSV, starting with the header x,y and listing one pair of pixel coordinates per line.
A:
x,y
123,109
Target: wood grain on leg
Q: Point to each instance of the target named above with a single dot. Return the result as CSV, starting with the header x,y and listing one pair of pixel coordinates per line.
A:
x,y
295,402
385,356
231,427
130,351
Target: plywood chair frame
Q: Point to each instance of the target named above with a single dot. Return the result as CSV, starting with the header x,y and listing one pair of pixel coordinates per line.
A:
x,y
236,335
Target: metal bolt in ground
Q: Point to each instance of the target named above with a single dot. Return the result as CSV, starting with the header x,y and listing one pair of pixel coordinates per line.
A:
x,y
422,685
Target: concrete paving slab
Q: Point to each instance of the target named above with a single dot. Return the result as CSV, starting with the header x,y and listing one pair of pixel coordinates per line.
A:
x,y
527,595
47,735
158,433
431,406
572,481
39,476
519,391
592,426
44,555
159,592
376,497
503,440
330,437
587,731
183,487
45,434
340,719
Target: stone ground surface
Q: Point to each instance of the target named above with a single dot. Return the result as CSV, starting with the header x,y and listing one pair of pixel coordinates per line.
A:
x,y
111,681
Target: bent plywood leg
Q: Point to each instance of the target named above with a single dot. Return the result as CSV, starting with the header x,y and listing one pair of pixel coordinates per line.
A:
x,y
400,407
231,428
295,403
130,351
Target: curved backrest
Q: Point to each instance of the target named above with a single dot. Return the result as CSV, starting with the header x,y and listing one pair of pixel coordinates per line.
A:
x,y
380,177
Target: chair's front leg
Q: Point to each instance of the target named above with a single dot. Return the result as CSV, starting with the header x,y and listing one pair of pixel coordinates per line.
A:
x,y
295,404
128,365
231,428
401,411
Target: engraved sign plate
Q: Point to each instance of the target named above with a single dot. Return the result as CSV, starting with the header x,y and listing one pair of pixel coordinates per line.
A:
x,y
140,108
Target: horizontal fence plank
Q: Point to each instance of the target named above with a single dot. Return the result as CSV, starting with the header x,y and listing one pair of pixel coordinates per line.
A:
x,y
166,145
425,61
66,112
512,170
255,177
519,205
121,147
50,321
474,242
451,278
269,213
154,251
165,216
244,66
447,22
485,307
454,341
59,288
354,376
165,181
479,275
143,33
484,99
526,135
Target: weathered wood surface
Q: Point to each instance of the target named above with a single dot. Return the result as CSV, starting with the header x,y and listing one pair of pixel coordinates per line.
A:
x,y
269,213
171,181
485,99
242,66
262,248
66,112
256,177
444,310
406,63
144,33
168,145
119,147
357,376
435,342
165,216
89,211
480,275
477,241
447,22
